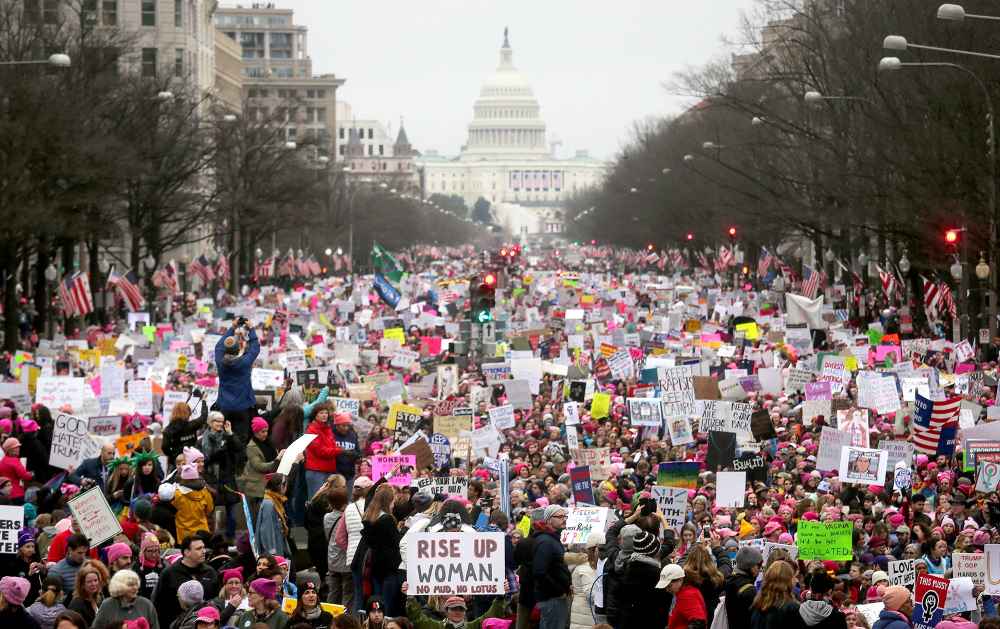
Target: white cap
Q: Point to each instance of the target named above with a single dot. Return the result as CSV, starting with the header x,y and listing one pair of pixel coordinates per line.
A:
x,y
669,574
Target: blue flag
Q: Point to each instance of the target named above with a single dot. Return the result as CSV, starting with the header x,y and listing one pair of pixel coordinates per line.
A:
x,y
386,291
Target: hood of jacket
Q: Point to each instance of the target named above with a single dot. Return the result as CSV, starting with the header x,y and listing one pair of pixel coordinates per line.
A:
x,y
191,485
815,612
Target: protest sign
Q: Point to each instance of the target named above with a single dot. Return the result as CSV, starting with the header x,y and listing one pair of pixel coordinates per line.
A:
x,y
109,426
583,489
897,451
831,443
902,573
127,444
682,474
992,583
17,392
677,390
598,459
347,405
502,417
292,452
721,450
440,447
730,489
929,597
825,540
94,516
960,596
793,551
11,522
443,485
58,391
71,443
455,564
580,523
266,379
753,464
645,412
988,476
672,503
971,565
871,612
383,465
863,466
402,416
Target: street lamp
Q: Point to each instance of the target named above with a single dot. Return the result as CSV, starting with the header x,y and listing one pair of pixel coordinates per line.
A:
x,y
58,60
812,97
259,253
711,146
328,252
164,96
758,121
689,157
982,269
51,273
956,13
829,255
383,185
665,171
149,261
899,43
956,270
291,146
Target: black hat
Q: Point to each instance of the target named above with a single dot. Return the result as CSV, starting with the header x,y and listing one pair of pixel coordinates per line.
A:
x,y
375,604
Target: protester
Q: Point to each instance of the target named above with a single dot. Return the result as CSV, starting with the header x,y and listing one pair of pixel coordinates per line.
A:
x,y
264,609
272,523
190,567
262,459
308,610
222,455
49,604
235,354
739,587
124,602
13,590
340,587
193,502
380,539
322,452
549,571
88,589
583,577
775,606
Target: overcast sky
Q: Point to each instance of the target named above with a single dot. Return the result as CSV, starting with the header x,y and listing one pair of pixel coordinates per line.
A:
x,y
595,66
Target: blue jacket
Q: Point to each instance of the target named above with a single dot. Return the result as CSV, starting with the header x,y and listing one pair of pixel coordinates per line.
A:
x,y
89,468
270,535
235,390
891,620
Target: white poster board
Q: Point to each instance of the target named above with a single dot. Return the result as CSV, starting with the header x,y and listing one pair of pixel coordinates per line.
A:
x,y
455,564
11,522
71,443
94,516
292,452
58,391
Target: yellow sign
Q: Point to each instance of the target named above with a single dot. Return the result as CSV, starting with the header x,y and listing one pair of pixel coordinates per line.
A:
x,y
288,606
527,279
400,409
600,406
452,425
182,362
126,445
749,330
693,325
395,333
851,363
107,347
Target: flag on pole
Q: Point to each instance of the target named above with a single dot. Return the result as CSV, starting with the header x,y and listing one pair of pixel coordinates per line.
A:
x,y
74,293
935,424
764,263
932,299
812,281
127,287
890,285
384,263
201,267
222,268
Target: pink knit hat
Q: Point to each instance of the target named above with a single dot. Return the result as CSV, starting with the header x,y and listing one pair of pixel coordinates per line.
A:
x,y
118,550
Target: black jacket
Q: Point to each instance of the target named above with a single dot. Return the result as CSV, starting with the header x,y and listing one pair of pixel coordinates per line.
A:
x,y
179,433
382,539
784,617
317,539
222,451
740,592
612,580
523,553
640,578
165,597
349,452
549,569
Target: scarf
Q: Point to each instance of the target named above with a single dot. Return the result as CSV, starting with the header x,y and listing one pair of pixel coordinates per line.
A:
x,y
266,449
279,506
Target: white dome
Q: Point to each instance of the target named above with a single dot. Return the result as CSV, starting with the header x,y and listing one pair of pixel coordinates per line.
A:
x,y
507,119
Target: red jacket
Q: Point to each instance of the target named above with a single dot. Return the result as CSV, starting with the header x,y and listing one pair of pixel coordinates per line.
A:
x,y
321,453
689,606
10,467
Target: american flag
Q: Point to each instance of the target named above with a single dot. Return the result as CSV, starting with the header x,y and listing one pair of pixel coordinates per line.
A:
x,y
812,281
890,285
764,263
127,286
786,271
222,268
677,259
287,267
166,278
315,266
264,269
726,258
703,261
948,300
201,267
74,292
935,424
932,299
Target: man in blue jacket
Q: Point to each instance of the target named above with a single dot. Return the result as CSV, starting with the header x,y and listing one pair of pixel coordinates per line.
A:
x,y
235,354
549,569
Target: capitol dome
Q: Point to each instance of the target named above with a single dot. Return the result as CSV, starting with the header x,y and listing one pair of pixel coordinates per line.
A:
x,y
507,121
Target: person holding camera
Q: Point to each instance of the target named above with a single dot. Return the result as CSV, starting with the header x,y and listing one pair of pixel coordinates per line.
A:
x,y
235,354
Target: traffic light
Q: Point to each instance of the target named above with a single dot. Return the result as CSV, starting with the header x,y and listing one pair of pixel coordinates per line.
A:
x,y
732,232
951,236
484,297
690,236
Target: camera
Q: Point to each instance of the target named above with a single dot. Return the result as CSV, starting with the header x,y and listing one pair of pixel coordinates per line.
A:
x,y
242,322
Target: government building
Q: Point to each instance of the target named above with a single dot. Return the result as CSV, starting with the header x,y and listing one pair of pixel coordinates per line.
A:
x,y
507,159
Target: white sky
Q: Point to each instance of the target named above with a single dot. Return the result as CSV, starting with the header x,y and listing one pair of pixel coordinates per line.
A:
x,y
595,66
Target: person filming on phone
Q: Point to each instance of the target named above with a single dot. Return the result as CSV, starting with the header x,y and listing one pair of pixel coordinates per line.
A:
x,y
235,354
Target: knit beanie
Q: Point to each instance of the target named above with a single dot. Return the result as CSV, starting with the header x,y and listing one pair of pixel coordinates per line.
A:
x,y
645,543
191,593
629,533
895,596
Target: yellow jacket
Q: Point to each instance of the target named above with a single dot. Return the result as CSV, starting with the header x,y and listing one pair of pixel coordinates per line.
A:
x,y
194,507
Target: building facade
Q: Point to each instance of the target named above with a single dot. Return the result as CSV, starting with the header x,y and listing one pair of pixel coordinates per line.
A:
x,y
507,159
278,79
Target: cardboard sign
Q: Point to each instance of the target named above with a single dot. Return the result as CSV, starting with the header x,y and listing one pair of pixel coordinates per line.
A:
x,y
580,523
383,465
126,445
443,485
292,452
902,573
731,488
403,414
502,417
11,521
863,466
672,503
455,564
970,565
992,584
108,426
645,411
71,443
583,489
831,443
929,598
94,516
825,540
347,405
58,391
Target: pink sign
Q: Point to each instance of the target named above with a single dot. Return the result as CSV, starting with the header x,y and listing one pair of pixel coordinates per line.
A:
x,y
884,350
402,464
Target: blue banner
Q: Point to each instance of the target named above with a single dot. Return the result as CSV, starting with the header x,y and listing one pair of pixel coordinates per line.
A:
x,y
386,291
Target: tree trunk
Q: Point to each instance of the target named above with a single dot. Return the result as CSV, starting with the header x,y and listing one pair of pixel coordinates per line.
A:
x,y
93,252
41,284
11,307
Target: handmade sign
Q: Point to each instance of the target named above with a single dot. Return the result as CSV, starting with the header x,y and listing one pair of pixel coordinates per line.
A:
x,y
455,564
94,516
583,489
863,466
11,522
672,503
929,597
71,443
443,485
902,573
825,540
399,465
580,523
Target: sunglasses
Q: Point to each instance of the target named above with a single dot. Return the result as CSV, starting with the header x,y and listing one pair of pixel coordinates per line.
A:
x,y
455,609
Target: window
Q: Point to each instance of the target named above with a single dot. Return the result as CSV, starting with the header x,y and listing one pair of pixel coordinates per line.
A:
x,y
178,62
320,93
89,11
286,72
149,62
340,149
252,44
109,12
41,10
281,45
310,93
321,114
371,133
252,93
178,13
381,149
292,133
371,149
149,12
263,93
340,133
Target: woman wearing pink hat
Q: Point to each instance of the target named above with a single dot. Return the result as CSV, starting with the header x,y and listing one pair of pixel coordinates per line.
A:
x,y
262,459
12,469
264,607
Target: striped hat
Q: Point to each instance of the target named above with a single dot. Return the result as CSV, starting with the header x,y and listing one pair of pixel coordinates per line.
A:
x,y
645,543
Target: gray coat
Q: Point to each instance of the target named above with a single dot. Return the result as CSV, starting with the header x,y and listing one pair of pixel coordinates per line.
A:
x,y
114,610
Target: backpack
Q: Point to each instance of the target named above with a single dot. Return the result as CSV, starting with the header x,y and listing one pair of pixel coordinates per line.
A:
x,y
340,533
721,619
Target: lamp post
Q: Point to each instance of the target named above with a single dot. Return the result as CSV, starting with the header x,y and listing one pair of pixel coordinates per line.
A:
x,y
58,60
891,64
812,97
50,277
982,271
956,13
150,263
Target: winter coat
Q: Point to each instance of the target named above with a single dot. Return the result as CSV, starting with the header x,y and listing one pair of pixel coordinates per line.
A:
x,y
354,514
276,620
321,453
382,538
37,456
168,608
91,468
180,434
270,535
784,617
336,557
690,606
222,451
641,575
252,481
612,580
348,452
194,507
45,616
580,616
822,615
740,592
316,538
551,575
10,467
114,610
148,578
892,620
235,390
17,616
421,620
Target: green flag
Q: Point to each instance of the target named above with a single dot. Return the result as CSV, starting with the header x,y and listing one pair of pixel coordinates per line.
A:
x,y
383,262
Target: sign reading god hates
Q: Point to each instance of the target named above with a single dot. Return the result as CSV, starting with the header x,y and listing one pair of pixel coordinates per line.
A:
x,y
455,564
